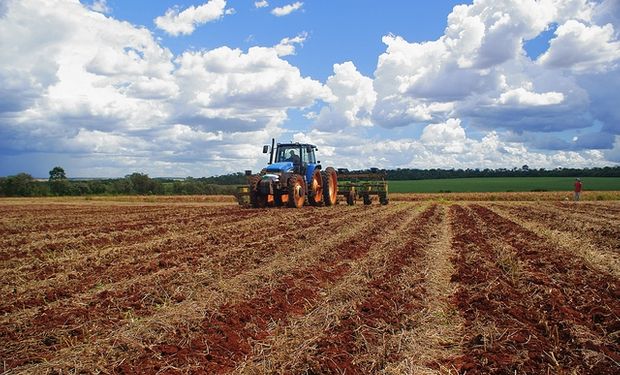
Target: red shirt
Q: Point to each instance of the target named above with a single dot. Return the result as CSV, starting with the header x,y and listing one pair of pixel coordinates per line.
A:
x,y
578,187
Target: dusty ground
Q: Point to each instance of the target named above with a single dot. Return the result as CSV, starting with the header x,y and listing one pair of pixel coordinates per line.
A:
x,y
412,287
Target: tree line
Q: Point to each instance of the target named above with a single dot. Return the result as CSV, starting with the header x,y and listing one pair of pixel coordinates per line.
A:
x,y
524,171
24,185
58,184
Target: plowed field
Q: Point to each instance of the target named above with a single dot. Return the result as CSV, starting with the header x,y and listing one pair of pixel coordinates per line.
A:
x,y
408,288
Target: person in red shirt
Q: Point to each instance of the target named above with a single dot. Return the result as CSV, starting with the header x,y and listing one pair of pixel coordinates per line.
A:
x,y
577,189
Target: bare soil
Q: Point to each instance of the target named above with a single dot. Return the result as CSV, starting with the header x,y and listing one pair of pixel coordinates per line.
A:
x,y
412,287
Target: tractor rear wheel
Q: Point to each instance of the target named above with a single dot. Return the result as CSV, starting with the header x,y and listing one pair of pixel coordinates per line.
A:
x,y
316,188
330,186
296,192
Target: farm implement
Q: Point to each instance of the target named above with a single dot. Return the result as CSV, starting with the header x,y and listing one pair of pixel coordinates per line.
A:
x,y
293,177
363,185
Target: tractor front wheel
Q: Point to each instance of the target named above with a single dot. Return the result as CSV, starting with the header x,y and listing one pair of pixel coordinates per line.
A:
x,y
257,200
296,193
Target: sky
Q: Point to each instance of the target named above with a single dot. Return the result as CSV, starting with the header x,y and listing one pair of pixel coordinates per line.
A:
x,y
195,88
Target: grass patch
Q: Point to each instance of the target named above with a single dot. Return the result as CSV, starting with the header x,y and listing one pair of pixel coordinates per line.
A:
x,y
503,184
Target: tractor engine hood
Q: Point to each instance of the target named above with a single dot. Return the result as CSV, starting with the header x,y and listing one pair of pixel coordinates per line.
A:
x,y
283,166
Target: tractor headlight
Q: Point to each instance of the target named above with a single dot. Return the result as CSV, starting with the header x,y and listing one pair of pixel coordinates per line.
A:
x,y
271,176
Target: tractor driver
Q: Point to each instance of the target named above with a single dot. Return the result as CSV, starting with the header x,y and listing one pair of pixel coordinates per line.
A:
x,y
293,157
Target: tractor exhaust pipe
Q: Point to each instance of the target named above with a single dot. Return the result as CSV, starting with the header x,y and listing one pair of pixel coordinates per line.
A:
x,y
273,142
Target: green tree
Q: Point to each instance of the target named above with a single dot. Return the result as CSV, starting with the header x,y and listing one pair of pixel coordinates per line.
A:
x,y
20,185
141,183
59,185
120,186
57,173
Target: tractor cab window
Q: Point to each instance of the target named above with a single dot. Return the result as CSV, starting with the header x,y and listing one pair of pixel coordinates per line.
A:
x,y
291,154
308,155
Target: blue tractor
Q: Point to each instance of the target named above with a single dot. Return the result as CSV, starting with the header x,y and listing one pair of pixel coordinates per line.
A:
x,y
293,177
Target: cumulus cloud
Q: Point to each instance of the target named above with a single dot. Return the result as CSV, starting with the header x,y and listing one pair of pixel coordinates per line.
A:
x,y
479,71
607,12
261,4
443,133
77,83
287,9
354,99
614,153
418,82
85,67
583,48
443,145
523,97
176,23
93,81
227,88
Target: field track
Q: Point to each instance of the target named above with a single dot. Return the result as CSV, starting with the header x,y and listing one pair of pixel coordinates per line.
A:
x,y
409,288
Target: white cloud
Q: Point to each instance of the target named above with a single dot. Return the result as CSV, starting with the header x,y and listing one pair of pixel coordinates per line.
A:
x,y
75,81
98,142
100,6
614,153
607,12
81,66
523,97
354,99
479,70
583,48
261,4
445,145
175,23
286,47
287,9
226,88
448,132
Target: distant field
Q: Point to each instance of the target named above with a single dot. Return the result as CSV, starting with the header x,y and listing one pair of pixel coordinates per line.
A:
x,y
502,184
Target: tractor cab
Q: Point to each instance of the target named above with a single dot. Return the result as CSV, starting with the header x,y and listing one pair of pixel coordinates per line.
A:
x,y
296,158
301,155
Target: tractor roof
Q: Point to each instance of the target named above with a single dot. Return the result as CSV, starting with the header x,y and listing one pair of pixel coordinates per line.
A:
x,y
296,144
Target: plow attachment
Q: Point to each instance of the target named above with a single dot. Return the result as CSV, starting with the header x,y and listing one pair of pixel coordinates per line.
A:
x,y
363,185
243,195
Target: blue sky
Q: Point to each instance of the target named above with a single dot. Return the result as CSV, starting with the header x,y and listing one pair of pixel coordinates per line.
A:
x,y
194,88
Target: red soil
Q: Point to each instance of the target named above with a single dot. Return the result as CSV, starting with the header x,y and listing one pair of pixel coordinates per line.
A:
x,y
557,317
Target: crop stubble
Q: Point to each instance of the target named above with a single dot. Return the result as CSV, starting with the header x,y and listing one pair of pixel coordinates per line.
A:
x,y
405,288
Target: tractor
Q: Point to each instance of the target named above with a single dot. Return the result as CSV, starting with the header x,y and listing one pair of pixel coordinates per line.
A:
x,y
293,177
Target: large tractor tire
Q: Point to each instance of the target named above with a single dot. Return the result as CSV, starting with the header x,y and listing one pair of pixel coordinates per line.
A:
x,y
296,192
330,186
315,189
257,200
